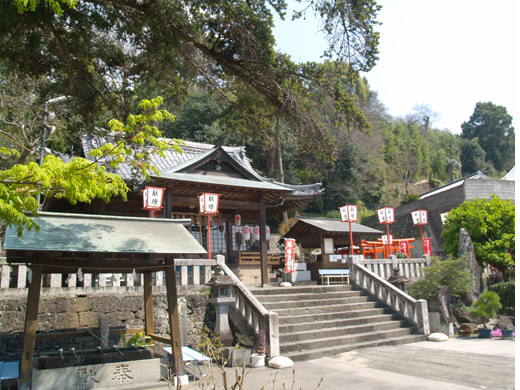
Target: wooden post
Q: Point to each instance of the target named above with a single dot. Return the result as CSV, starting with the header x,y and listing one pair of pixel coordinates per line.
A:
x,y
148,303
173,311
229,238
168,199
29,334
263,245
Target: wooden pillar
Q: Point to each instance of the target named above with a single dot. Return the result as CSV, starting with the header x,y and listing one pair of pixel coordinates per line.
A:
x,y
168,201
229,238
263,244
148,303
29,334
173,312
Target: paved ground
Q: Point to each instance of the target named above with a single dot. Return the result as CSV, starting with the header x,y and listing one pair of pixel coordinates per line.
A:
x,y
457,364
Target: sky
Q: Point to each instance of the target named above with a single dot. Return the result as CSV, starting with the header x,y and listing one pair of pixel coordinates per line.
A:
x,y
448,54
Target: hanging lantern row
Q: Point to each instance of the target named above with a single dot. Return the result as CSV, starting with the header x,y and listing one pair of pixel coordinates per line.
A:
x,y
246,233
153,198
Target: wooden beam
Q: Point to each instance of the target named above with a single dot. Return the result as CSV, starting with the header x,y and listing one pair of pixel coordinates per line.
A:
x,y
82,333
263,245
29,334
222,204
161,339
173,311
148,303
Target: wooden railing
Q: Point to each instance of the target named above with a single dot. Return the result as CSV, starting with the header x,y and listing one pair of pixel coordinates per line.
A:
x,y
190,272
412,269
415,311
248,258
254,313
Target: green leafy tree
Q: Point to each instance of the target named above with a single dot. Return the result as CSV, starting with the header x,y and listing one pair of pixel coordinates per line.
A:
x,y
406,151
452,272
491,226
473,157
103,54
81,180
492,126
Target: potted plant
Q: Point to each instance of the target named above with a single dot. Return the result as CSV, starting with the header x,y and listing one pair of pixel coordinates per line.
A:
x,y
258,358
484,308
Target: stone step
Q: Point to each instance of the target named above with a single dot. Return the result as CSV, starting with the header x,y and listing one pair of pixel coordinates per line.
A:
x,y
332,316
303,297
341,348
261,291
314,303
332,342
316,310
335,332
339,321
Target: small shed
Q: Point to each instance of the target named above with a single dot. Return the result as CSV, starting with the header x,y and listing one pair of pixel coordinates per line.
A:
x,y
66,243
328,235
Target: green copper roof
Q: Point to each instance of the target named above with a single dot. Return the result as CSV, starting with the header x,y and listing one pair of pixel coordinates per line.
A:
x,y
92,233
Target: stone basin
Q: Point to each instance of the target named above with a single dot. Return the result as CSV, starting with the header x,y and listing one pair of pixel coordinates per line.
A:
x,y
86,358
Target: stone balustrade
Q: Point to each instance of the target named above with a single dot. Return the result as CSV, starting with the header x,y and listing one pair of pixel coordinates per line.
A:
x,y
255,314
412,269
190,272
415,311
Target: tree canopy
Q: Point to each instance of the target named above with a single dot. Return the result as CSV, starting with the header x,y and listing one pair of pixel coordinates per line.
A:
x,y
103,54
491,225
492,126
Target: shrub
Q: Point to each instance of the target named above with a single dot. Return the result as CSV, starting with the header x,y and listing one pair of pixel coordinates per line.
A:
x,y
486,307
442,272
506,292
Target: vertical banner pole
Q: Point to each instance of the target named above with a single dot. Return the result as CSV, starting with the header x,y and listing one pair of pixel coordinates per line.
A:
x,y
209,236
388,241
351,240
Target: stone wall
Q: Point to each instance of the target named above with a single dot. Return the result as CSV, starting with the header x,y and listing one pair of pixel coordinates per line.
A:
x,y
74,309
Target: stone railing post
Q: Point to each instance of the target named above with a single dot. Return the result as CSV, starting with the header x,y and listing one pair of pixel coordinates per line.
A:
x,y
422,316
272,334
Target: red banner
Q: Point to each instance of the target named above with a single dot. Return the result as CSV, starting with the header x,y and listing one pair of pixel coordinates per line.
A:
x,y
427,246
289,255
403,247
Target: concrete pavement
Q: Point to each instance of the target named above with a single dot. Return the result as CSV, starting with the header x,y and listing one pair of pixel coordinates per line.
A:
x,y
457,364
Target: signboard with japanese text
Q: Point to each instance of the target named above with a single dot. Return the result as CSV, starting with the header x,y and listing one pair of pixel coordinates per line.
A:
x,y
427,246
208,203
444,216
420,217
386,215
289,255
153,198
349,213
387,239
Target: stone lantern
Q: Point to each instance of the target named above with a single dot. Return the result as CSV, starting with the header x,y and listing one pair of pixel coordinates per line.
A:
x,y
221,298
398,280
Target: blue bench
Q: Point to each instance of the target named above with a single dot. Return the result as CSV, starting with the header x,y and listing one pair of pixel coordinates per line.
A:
x,y
192,358
9,373
330,276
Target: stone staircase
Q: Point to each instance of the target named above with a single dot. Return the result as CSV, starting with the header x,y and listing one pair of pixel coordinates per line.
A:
x,y
318,321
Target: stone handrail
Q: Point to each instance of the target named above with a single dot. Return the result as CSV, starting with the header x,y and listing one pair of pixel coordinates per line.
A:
x,y
412,269
413,310
256,315
191,272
